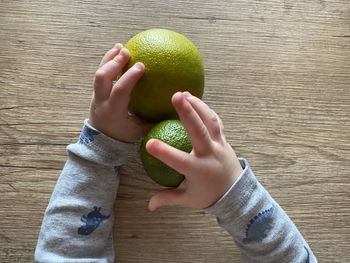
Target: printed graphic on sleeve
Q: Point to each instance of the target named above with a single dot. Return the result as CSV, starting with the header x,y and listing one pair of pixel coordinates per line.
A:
x,y
91,221
308,255
87,135
259,226
117,169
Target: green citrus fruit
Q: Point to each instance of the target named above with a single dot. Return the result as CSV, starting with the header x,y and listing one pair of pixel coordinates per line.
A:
x,y
172,63
173,133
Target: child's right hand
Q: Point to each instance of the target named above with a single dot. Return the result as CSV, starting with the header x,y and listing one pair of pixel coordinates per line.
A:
x,y
212,166
109,105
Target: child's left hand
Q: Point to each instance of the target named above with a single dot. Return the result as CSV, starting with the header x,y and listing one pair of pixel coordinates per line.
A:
x,y
210,169
109,105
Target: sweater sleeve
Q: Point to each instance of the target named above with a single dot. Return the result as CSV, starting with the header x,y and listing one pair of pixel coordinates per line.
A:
x,y
258,225
77,225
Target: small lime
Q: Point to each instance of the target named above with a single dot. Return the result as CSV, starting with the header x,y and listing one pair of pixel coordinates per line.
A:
x,y
173,133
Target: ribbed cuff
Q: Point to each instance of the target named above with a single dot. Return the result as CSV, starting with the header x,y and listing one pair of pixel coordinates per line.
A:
x,y
97,147
237,195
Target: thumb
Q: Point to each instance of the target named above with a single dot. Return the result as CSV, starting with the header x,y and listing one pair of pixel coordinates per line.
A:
x,y
167,197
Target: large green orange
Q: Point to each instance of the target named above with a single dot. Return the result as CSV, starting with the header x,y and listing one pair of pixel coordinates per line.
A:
x,y
172,63
173,133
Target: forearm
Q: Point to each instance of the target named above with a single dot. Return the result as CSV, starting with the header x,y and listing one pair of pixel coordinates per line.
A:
x,y
77,225
258,225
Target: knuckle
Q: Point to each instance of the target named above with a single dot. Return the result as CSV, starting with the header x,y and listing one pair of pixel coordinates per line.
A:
x,y
214,116
216,130
116,60
214,119
203,132
219,122
215,122
100,75
117,87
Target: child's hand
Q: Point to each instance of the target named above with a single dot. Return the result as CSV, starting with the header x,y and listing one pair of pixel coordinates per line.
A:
x,y
212,166
109,105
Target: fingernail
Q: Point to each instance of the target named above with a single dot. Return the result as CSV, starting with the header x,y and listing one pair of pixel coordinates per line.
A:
x,y
124,51
118,46
139,66
187,94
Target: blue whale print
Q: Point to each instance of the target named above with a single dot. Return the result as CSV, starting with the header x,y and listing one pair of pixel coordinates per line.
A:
x,y
87,135
259,226
91,221
308,255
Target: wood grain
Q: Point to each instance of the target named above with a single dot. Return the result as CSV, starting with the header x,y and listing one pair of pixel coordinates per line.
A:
x,y
277,72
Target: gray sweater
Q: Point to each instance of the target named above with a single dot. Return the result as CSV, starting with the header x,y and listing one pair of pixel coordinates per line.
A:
x,y
78,221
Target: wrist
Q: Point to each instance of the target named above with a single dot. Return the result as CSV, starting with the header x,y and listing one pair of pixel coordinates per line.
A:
x,y
238,167
231,192
99,148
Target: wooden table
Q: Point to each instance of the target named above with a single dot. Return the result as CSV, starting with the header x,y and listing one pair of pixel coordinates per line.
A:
x,y
277,72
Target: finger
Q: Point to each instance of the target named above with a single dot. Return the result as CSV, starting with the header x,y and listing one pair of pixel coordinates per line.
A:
x,y
122,89
209,117
176,159
167,197
108,72
195,127
111,54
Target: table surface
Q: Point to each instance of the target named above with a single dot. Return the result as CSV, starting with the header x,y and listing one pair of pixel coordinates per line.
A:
x,y
277,72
